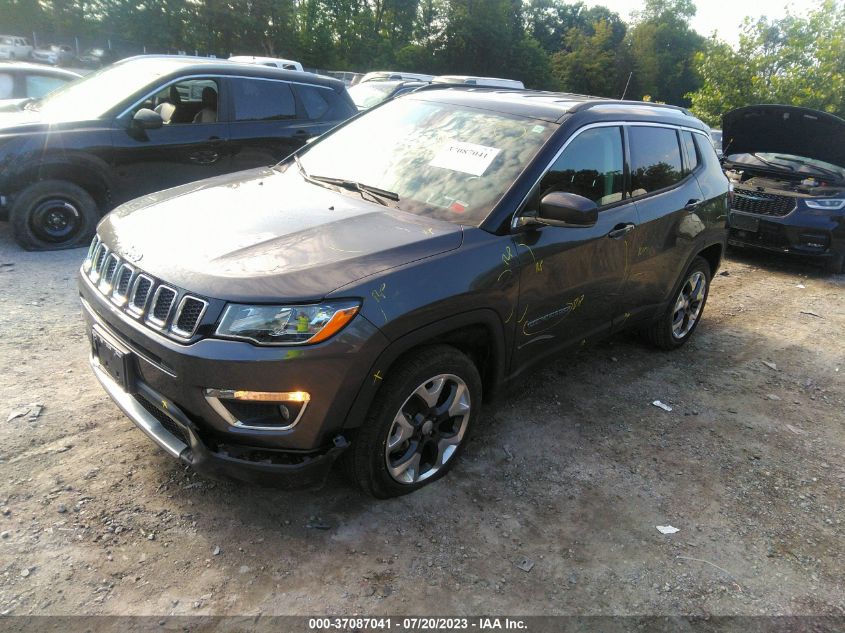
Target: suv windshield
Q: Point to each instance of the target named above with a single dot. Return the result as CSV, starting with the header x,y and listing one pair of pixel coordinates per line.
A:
x,y
92,96
442,160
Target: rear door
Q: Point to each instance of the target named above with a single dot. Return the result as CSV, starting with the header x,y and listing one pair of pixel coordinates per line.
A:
x,y
572,280
265,122
667,195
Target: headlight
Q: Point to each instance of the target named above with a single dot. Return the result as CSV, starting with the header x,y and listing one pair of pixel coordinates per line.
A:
x,y
826,204
286,325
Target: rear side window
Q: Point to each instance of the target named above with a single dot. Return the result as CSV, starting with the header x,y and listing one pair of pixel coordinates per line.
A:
x,y
39,85
321,104
7,86
690,152
590,166
655,159
259,100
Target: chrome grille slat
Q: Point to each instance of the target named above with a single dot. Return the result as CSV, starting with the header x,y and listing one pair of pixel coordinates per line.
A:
x,y
161,306
188,316
158,305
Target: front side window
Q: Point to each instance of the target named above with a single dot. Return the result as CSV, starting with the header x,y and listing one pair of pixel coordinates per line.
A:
x,y
259,100
185,102
443,160
590,166
655,159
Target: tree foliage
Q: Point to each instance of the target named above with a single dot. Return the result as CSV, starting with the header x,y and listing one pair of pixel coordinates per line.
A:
x,y
551,44
797,60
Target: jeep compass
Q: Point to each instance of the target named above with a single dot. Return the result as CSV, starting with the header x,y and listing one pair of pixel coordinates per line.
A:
x,y
363,298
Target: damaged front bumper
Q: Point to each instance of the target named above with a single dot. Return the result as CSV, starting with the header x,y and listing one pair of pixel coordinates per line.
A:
x,y
173,431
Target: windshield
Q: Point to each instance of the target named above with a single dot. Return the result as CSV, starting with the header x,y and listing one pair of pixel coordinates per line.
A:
x,y
370,94
94,95
791,163
444,161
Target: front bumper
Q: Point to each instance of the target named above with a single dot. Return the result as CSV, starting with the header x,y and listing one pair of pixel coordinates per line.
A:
x,y
798,233
180,439
165,395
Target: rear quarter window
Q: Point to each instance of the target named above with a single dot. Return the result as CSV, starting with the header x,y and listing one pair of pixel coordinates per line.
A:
x,y
7,86
321,104
655,159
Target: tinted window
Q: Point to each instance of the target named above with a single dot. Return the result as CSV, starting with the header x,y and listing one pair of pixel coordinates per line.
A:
x,y
258,100
655,159
7,86
39,85
314,100
590,166
690,151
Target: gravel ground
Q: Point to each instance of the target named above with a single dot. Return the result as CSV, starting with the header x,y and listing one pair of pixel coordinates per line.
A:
x,y
552,510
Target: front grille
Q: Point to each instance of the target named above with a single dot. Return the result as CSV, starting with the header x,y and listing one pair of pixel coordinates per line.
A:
x,y
162,304
760,203
188,316
166,421
162,307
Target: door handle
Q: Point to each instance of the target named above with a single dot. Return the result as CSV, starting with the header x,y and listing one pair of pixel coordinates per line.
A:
x,y
692,205
621,230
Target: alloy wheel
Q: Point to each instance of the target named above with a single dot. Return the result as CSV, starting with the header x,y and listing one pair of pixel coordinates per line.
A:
x,y
688,305
427,429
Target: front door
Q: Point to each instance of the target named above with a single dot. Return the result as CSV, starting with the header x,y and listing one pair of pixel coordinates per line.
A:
x,y
572,280
192,143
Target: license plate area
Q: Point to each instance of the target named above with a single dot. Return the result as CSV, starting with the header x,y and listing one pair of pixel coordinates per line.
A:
x,y
113,358
743,222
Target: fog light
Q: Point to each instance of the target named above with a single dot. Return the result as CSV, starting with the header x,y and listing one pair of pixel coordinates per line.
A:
x,y
259,396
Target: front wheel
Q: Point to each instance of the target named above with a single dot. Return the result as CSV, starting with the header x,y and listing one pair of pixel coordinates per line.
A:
x,y
678,322
418,423
53,214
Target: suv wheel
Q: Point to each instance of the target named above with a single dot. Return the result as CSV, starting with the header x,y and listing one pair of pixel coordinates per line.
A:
x,y
683,315
418,424
53,214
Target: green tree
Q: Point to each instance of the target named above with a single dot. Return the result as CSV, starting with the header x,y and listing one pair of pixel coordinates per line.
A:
x,y
797,60
662,47
592,62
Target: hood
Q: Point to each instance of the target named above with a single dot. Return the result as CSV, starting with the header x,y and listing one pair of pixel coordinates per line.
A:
x,y
784,130
262,236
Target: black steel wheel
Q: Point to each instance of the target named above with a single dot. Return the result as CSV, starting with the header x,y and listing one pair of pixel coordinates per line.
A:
x,y
53,214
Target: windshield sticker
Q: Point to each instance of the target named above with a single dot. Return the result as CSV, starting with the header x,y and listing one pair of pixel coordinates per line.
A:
x,y
467,158
458,206
538,129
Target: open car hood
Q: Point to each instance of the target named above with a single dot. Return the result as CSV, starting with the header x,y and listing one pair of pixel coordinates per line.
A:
x,y
784,129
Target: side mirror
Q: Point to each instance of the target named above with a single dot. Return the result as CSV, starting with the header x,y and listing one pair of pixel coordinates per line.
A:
x,y
146,119
559,208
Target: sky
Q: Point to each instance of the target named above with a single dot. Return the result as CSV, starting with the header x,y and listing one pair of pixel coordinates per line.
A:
x,y
722,16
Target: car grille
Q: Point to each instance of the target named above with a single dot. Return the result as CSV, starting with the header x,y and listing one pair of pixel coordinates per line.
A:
x,y
141,296
762,203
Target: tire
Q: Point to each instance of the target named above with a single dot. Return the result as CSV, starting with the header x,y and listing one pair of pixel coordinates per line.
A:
x,y
835,265
53,214
426,444
668,332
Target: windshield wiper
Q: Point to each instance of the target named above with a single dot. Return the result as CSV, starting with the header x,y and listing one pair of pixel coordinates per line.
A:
x,y
381,196
771,164
822,170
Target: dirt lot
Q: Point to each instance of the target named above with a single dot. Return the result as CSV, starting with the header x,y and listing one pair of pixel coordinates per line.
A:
x,y
573,470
